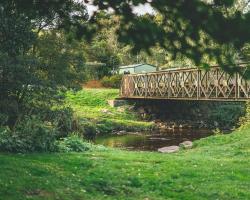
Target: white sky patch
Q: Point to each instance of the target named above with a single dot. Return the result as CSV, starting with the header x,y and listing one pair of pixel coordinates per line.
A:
x,y
90,8
143,9
139,10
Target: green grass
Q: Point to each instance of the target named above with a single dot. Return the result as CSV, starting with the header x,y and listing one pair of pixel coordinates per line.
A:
x,y
90,103
217,167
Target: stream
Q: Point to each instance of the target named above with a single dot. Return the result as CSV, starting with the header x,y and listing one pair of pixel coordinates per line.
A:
x,y
152,140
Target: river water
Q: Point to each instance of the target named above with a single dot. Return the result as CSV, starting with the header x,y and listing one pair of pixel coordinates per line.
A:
x,y
151,141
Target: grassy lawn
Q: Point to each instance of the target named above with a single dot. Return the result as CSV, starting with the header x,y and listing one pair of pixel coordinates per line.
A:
x,y
217,167
90,104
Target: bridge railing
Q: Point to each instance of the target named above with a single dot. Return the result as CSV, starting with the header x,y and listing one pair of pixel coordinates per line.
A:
x,y
186,83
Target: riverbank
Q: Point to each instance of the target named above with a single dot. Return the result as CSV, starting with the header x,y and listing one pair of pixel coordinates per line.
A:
x,y
92,104
216,168
192,114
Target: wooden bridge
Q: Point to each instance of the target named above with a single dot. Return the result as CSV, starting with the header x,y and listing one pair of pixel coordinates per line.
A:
x,y
187,84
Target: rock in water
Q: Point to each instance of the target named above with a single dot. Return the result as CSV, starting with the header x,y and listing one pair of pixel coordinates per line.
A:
x,y
170,149
186,144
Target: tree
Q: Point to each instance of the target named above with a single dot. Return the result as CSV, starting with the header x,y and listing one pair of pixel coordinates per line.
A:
x,y
180,31
30,77
196,29
104,47
62,60
182,28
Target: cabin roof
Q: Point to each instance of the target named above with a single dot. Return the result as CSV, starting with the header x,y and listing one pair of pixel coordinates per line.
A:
x,y
134,66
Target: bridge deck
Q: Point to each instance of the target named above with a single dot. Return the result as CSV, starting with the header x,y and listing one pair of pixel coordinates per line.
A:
x,y
187,84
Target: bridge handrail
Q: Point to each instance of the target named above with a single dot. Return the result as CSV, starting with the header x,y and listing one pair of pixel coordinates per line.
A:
x,y
182,69
187,83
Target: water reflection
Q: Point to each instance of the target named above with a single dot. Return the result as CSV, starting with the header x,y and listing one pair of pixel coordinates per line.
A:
x,y
151,141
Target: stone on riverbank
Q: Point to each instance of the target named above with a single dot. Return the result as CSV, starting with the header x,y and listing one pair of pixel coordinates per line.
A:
x,y
170,149
186,144
117,102
105,111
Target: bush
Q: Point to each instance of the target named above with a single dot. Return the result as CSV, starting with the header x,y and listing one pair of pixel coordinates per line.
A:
x,y
245,119
29,135
225,114
89,131
112,81
85,129
62,119
3,119
73,143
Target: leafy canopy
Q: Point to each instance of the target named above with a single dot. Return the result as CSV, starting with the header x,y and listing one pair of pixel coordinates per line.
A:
x,y
193,28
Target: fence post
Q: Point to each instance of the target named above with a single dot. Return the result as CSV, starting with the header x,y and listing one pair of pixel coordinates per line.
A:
x,y
146,85
198,83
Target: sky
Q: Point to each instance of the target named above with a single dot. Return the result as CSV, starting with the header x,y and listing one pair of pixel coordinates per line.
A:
x,y
140,10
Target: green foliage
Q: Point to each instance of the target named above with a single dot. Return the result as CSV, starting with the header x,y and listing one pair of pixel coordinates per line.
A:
x,y
64,58
36,63
3,119
104,50
227,114
245,120
101,51
89,130
189,28
62,119
16,30
30,135
112,81
85,128
73,143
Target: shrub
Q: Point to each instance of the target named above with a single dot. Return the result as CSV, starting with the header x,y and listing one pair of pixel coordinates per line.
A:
x,y
3,119
62,119
85,129
225,114
73,143
89,130
112,81
29,135
245,120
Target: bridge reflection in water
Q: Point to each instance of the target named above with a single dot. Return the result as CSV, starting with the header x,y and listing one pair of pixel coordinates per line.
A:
x,y
187,84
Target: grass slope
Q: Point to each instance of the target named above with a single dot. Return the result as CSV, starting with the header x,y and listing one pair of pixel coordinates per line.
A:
x,y
90,103
217,167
